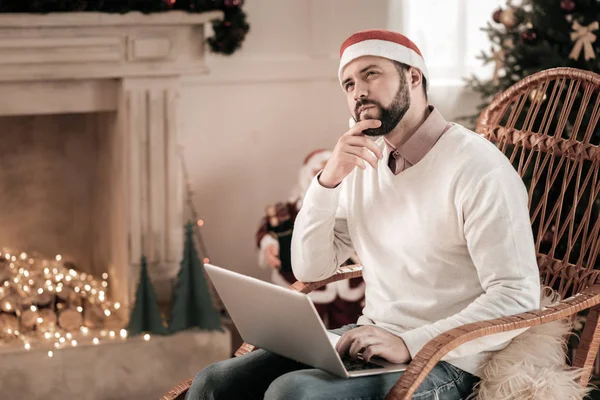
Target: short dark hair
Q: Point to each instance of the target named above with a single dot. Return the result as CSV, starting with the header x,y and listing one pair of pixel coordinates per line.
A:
x,y
402,68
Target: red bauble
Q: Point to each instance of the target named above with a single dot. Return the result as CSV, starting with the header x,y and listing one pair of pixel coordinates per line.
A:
x,y
496,15
567,5
529,36
233,3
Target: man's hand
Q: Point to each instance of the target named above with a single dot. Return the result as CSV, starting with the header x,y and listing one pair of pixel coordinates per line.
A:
x,y
272,255
351,150
373,341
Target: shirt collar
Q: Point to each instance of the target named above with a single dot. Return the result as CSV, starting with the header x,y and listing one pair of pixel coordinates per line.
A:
x,y
419,144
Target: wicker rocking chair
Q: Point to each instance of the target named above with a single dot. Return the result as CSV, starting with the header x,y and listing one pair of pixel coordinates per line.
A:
x,y
545,124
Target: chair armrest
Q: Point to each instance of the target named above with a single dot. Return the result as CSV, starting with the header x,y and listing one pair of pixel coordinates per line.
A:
x,y
346,272
434,350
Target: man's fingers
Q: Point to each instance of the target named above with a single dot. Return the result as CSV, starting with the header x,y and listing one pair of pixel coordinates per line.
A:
x,y
343,345
362,153
360,344
372,351
362,125
363,141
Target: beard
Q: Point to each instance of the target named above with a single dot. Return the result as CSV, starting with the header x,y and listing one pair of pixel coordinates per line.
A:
x,y
390,116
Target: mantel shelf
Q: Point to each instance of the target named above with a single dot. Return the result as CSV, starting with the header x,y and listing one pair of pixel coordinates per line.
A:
x,y
87,19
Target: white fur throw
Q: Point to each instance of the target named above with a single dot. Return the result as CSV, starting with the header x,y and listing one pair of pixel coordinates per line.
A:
x,y
532,366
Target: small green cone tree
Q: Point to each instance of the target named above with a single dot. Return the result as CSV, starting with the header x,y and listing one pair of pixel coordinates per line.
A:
x,y
192,304
145,316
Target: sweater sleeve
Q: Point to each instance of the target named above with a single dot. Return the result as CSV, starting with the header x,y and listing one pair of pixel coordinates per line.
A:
x,y
499,237
320,241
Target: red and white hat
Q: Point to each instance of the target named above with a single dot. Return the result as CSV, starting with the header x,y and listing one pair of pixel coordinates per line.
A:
x,y
381,43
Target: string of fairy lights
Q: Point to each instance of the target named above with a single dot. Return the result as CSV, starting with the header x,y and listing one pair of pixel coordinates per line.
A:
x,y
45,303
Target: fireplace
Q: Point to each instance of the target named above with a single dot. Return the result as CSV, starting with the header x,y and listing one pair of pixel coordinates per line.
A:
x,y
90,166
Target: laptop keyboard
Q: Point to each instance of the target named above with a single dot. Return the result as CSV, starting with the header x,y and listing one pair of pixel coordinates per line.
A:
x,y
357,364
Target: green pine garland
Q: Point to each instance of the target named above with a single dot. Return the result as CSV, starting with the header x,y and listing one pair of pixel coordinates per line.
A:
x,y
229,33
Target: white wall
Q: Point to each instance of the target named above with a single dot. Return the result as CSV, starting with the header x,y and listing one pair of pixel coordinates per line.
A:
x,y
249,124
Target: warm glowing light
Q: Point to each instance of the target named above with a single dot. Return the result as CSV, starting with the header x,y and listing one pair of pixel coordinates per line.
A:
x,y
105,276
27,346
200,222
50,353
123,333
58,257
147,337
96,341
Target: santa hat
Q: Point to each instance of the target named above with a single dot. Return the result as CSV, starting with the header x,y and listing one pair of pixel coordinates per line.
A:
x,y
316,157
381,43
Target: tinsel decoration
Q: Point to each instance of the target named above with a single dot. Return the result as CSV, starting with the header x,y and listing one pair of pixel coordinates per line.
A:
x,y
229,33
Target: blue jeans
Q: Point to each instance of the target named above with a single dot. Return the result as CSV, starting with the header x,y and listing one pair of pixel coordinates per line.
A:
x,y
262,374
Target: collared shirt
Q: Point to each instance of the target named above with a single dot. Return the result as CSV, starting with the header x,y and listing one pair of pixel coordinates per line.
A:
x,y
419,144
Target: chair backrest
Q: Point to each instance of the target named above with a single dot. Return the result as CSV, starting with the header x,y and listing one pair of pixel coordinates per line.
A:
x,y
547,124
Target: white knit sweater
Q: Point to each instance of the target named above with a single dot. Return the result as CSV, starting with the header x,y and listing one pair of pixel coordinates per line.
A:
x,y
444,243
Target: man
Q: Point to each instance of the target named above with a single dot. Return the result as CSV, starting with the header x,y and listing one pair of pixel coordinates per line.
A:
x,y
338,303
437,216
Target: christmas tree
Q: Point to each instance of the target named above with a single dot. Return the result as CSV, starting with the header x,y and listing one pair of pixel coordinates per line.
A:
x,y
145,316
537,35
534,36
192,303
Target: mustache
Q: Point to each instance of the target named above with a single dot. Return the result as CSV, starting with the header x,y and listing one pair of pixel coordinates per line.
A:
x,y
364,102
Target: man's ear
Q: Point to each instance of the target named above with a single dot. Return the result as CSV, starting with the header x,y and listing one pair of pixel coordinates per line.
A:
x,y
416,77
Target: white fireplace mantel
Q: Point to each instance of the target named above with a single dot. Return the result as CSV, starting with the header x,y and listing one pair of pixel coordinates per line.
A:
x,y
129,65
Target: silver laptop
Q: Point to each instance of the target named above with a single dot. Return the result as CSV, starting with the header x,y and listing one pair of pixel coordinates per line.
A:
x,y
286,322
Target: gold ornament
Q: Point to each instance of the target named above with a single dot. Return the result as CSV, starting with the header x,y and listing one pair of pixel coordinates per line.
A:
x,y
509,18
537,96
583,38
